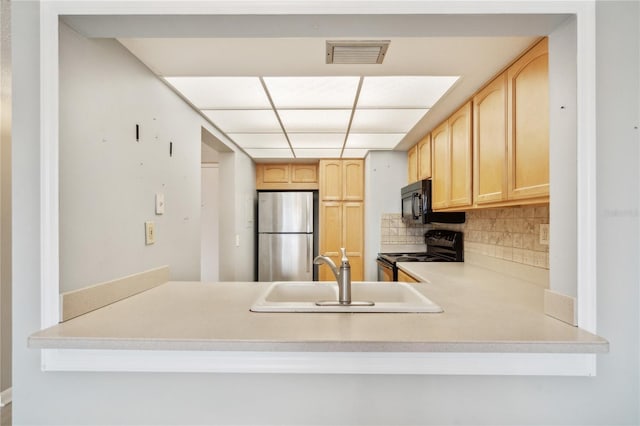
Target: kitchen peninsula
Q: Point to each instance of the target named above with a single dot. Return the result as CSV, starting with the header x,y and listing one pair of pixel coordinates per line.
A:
x,y
484,313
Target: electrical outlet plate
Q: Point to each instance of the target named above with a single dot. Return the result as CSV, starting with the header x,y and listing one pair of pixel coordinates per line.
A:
x,y
544,234
150,233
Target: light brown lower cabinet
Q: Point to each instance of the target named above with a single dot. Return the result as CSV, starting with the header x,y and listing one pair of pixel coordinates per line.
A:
x,y
342,225
404,277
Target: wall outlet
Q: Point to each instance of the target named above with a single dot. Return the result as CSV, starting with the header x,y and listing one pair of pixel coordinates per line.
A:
x,y
150,233
544,234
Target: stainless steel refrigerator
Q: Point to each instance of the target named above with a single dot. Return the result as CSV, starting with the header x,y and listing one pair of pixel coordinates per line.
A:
x,y
286,239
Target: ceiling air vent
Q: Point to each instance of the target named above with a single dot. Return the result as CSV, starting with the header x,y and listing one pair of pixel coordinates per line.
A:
x,y
356,51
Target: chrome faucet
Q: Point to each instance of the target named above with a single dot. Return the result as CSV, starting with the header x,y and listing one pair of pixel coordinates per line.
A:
x,y
343,275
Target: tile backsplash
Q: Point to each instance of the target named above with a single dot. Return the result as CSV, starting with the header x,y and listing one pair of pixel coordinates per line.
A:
x,y
509,233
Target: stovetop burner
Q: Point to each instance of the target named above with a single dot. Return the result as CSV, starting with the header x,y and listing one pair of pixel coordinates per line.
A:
x,y
408,257
442,246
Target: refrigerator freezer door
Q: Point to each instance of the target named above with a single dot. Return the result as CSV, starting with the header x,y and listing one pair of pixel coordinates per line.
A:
x,y
285,257
285,212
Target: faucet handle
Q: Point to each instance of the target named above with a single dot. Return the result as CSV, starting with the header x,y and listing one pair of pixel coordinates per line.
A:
x,y
344,255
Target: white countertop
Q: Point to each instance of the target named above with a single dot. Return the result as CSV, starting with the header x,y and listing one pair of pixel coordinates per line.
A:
x,y
483,312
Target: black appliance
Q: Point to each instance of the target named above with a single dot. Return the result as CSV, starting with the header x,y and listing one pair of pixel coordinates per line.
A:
x,y
416,205
442,246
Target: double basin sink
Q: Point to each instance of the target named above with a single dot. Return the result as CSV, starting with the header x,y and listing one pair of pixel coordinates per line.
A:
x,y
301,296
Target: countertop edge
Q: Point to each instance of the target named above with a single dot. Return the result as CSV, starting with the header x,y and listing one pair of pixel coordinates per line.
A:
x,y
145,344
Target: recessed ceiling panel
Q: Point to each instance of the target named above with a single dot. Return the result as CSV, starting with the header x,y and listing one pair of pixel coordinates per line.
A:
x,y
222,92
385,120
315,120
403,91
317,153
260,140
374,140
312,92
269,153
316,140
354,153
245,121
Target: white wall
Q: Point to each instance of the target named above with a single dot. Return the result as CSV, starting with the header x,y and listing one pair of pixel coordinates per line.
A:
x,y
385,173
210,221
238,195
5,197
124,398
108,180
563,172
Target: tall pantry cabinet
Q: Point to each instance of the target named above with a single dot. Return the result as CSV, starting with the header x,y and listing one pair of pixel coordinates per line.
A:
x,y
342,214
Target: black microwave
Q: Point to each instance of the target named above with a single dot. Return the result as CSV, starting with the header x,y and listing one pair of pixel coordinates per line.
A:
x,y
416,206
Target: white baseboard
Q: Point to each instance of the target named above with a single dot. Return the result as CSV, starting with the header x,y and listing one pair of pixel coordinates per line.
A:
x,y
6,396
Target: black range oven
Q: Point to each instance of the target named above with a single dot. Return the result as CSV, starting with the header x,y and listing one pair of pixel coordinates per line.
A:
x,y
442,246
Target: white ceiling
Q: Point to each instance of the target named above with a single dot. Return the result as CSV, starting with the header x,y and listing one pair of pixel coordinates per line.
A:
x,y
474,47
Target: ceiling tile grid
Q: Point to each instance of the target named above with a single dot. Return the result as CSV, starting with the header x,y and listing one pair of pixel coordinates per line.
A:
x,y
314,117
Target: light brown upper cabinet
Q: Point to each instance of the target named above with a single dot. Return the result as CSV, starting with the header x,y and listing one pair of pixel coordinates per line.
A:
x,y
451,148
412,164
424,158
342,180
528,124
287,176
304,173
440,166
275,173
490,142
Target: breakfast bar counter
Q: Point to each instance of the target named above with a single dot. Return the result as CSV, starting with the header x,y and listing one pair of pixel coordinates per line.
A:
x,y
484,312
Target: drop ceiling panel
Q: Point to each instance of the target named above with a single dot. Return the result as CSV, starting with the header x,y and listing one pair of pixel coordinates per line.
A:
x,y
317,153
385,120
245,121
269,153
373,140
403,91
354,153
260,140
312,92
222,92
316,140
315,120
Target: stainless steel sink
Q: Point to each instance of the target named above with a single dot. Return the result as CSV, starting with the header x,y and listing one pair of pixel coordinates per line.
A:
x,y
301,296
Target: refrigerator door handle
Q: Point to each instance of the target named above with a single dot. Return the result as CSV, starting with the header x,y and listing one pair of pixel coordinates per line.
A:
x,y
309,252
309,214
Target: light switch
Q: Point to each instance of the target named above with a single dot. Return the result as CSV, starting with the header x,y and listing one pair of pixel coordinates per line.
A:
x,y
150,233
159,203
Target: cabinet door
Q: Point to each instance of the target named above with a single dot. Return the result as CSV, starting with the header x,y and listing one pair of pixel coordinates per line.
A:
x,y
330,236
275,173
424,158
331,180
528,124
412,164
353,237
460,160
304,173
353,180
440,164
404,277
490,142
